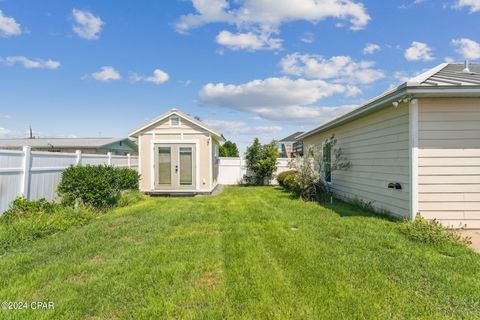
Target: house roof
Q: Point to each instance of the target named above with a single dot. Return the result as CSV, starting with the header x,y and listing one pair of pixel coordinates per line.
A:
x,y
185,116
292,137
63,142
445,80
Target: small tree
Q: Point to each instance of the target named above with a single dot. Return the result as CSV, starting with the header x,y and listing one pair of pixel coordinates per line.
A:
x,y
261,162
314,166
229,149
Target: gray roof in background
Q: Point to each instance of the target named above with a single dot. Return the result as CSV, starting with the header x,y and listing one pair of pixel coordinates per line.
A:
x,y
453,75
291,137
60,142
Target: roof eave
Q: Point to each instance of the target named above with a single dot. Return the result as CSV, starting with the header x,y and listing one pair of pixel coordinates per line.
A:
x,y
408,88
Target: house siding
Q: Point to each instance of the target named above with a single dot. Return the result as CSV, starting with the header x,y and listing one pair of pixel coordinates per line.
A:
x,y
162,131
377,146
449,161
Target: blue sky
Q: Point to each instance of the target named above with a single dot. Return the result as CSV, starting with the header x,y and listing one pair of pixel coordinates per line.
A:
x,y
248,67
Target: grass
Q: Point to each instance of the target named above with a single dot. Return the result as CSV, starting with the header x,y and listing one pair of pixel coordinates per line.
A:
x,y
250,253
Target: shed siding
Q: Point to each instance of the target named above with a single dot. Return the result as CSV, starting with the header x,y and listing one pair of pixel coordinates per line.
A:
x,y
187,131
377,147
449,160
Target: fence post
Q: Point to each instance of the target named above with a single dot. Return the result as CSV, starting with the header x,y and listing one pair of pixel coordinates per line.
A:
x,y
129,160
78,161
109,158
240,178
25,184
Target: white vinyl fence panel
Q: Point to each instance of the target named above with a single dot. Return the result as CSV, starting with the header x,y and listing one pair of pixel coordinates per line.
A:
x,y
36,174
232,170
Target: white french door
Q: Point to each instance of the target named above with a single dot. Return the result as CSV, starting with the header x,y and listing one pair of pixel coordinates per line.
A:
x,y
174,166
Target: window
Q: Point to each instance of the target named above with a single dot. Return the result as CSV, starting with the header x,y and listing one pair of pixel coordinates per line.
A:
x,y
174,122
327,161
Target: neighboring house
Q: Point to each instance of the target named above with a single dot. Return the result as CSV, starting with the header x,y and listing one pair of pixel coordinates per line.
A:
x,y
117,146
177,154
415,148
286,145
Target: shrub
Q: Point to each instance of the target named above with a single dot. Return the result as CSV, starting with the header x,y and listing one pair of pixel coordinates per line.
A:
x,y
290,182
314,166
282,175
130,197
431,231
97,187
261,162
127,179
29,220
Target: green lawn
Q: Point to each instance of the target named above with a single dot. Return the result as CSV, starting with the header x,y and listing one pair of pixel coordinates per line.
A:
x,y
249,253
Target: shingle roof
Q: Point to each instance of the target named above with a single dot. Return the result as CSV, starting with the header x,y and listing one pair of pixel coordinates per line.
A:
x,y
291,137
446,79
449,75
60,142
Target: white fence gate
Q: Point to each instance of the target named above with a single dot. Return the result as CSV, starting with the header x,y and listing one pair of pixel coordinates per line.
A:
x,y
36,174
232,170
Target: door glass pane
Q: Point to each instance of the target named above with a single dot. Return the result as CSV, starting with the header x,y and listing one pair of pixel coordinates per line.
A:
x,y
164,165
186,170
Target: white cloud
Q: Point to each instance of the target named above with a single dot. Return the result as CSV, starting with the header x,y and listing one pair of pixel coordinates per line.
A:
x,y
308,37
248,41
4,116
31,63
341,69
4,132
158,77
261,18
280,99
371,48
106,74
474,5
418,51
468,48
269,15
239,127
8,26
87,25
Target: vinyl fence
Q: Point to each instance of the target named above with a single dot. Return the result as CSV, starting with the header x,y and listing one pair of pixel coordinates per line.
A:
x,y
36,174
232,170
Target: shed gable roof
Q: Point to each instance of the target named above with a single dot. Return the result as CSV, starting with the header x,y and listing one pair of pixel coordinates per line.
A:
x,y
180,114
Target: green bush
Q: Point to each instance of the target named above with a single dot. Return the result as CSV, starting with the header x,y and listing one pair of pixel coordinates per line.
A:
x,y
127,179
29,220
282,175
97,187
130,197
430,231
261,162
290,182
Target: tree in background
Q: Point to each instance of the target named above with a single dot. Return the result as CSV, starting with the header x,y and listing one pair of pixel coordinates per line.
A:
x,y
229,149
261,162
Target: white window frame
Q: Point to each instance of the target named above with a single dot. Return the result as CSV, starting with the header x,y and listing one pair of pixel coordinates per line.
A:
x,y
179,121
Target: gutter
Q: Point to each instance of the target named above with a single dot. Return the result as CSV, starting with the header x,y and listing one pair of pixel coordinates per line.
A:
x,y
411,89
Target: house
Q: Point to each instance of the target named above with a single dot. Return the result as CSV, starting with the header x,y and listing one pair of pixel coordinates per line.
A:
x,y
177,154
116,146
414,149
285,146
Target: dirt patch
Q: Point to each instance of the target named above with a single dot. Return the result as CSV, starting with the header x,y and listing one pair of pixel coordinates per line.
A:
x,y
474,236
95,259
208,280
